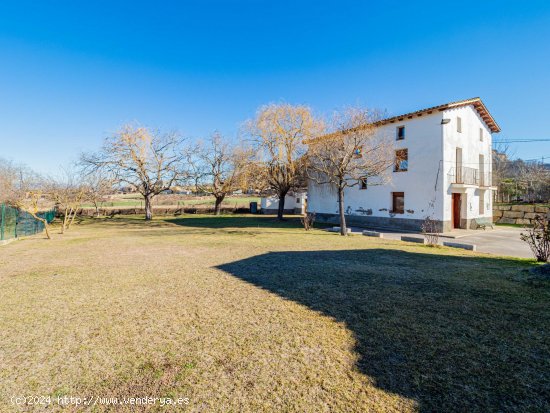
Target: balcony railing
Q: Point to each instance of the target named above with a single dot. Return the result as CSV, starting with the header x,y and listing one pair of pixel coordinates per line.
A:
x,y
485,179
463,175
469,176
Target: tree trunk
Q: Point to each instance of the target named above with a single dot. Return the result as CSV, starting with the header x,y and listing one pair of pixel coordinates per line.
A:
x,y
72,218
44,221
281,209
46,229
343,228
218,205
65,218
148,207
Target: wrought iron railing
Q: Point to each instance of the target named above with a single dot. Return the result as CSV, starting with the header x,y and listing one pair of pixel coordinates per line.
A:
x,y
463,175
485,179
469,176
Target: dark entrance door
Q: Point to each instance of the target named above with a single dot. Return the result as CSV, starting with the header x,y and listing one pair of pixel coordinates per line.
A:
x,y
456,210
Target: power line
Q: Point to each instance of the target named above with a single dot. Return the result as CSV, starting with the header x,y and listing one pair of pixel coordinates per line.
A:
x,y
520,140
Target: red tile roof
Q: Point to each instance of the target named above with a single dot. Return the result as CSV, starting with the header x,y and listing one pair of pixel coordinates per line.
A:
x,y
476,102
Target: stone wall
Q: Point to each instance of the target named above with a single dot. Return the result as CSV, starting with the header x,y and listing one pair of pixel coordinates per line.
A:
x,y
518,214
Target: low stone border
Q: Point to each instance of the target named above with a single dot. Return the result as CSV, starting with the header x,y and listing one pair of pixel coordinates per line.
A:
x,y
469,247
373,234
337,229
419,240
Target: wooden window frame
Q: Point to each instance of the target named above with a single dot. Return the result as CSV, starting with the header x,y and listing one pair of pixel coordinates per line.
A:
x,y
397,166
399,128
395,195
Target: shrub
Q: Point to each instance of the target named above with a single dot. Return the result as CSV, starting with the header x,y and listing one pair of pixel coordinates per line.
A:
x,y
538,238
307,220
430,229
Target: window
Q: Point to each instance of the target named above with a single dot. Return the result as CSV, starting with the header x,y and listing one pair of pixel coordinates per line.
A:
x,y
297,200
459,124
482,203
401,160
400,133
358,152
481,170
398,202
363,183
480,134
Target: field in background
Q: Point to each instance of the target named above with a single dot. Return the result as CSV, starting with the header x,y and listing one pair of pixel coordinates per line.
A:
x,y
247,314
136,201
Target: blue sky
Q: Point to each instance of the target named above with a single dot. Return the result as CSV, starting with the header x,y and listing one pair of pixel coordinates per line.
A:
x,y
72,72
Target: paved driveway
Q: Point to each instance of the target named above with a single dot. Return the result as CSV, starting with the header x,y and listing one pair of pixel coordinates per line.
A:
x,y
498,241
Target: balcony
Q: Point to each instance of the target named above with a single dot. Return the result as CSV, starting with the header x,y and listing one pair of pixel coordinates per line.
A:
x,y
485,179
463,176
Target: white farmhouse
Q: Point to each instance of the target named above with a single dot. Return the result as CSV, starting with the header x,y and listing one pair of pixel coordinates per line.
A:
x,y
442,170
295,203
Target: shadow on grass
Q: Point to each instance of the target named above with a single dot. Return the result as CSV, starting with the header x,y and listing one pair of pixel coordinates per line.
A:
x,y
453,333
234,221
195,224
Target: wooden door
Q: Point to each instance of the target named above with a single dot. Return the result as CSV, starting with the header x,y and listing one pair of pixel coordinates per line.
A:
x,y
456,210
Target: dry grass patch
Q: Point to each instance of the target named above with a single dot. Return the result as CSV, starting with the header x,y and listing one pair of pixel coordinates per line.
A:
x,y
246,314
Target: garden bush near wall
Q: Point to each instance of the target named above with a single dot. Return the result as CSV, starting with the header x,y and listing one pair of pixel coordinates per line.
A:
x,y
15,223
518,214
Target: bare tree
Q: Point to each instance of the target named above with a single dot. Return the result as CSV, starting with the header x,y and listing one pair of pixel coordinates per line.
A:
x,y
278,133
68,193
253,175
97,186
8,177
538,238
430,229
308,220
26,191
353,152
501,160
144,159
218,166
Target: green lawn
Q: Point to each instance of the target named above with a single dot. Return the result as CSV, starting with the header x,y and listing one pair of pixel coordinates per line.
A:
x,y
246,314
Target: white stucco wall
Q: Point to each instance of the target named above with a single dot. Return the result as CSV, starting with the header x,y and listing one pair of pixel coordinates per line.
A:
x,y
472,147
292,201
423,139
426,185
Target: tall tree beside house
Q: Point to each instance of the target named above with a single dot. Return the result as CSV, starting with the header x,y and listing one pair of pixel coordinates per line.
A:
x,y
351,153
218,167
278,133
150,161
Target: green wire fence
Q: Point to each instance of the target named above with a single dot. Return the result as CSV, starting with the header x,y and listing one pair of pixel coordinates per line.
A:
x,y
16,223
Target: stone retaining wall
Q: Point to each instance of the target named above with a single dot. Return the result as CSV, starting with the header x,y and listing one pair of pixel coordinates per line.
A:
x,y
518,214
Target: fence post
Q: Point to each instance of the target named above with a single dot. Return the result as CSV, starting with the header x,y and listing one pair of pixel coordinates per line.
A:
x,y
2,222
